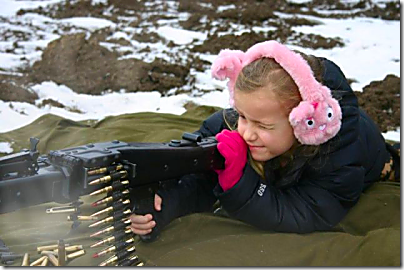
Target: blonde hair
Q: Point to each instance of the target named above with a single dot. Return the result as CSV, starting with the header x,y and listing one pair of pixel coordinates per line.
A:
x,y
263,72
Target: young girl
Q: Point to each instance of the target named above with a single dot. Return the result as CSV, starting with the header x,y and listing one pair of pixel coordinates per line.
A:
x,y
298,150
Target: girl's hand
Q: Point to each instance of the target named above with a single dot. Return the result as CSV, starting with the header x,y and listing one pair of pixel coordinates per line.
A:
x,y
143,224
234,149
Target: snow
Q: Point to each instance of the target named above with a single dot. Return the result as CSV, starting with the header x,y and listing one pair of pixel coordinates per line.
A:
x,y
88,23
372,50
10,7
5,148
179,36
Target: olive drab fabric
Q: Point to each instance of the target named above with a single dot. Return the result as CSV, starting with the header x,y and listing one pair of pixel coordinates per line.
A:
x,y
368,236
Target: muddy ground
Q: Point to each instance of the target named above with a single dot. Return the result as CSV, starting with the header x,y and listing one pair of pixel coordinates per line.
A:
x,y
81,63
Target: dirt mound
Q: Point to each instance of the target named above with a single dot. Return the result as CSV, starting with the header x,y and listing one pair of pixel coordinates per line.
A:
x,y
12,88
11,92
249,14
86,67
86,8
215,43
381,100
363,8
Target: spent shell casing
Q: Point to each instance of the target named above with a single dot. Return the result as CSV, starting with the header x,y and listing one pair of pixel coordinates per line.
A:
x,y
116,247
71,248
25,260
111,168
61,253
46,252
133,259
117,226
116,185
45,261
118,256
116,195
115,237
109,178
74,248
114,207
38,261
50,247
53,259
76,254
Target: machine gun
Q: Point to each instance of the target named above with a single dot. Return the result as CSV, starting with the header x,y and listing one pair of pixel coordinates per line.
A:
x,y
62,176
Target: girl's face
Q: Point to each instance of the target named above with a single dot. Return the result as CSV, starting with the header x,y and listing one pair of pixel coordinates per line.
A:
x,y
263,123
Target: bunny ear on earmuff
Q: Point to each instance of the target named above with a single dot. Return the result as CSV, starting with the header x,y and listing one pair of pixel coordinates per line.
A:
x,y
228,65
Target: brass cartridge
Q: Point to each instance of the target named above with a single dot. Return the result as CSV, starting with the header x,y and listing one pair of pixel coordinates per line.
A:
x,y
25,260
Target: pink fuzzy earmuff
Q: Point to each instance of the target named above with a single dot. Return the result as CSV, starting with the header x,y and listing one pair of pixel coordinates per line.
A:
x,y
318,116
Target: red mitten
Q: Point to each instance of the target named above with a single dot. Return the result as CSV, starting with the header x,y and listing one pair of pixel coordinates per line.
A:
x,y
234,149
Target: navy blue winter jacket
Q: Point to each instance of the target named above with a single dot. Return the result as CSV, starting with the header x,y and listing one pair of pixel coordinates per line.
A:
x,y
314,194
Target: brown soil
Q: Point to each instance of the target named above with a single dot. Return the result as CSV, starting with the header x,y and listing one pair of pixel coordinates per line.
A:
x,y
87,67
79,62
13,89
381,100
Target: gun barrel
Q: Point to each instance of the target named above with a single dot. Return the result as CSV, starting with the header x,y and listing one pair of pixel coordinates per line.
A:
x,y
48,180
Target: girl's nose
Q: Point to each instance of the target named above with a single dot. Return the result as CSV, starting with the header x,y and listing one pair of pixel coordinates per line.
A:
x,y
249,134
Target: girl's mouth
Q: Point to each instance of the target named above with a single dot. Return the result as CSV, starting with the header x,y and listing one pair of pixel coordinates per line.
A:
x,y
253,147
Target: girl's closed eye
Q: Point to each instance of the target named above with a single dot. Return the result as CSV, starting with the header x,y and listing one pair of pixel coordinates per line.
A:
x,y
266,127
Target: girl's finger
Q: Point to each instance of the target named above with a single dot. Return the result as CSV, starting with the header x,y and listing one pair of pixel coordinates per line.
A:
x,y
157,202
143,226
140,218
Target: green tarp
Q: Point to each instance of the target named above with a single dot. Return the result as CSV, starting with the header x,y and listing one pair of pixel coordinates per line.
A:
x,y
368,236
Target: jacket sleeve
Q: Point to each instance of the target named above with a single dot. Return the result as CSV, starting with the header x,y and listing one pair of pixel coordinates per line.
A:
x,y
192,193
302,208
